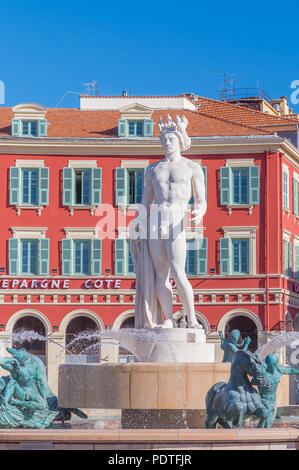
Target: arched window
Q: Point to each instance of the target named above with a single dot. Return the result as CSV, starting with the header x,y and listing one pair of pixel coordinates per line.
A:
x,y
30,333
247,328
82,340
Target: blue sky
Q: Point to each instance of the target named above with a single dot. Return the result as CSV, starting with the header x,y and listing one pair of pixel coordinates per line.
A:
x,y
155,47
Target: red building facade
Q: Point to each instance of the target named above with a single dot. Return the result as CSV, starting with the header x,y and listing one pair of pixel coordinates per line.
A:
x,y
59,275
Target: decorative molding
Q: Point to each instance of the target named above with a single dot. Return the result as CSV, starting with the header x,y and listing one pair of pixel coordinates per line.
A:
x,y
132,164
29,232
30,163
77,233
82,164
239,162
29,111
135,112
230,207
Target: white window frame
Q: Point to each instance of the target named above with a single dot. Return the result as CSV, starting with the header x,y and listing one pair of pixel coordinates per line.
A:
x,y
79,233
242,232
84,165
28,164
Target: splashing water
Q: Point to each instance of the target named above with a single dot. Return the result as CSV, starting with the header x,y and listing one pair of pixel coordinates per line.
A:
x,y
290,339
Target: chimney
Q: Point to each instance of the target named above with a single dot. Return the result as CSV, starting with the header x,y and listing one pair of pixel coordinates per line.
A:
x,y
124,93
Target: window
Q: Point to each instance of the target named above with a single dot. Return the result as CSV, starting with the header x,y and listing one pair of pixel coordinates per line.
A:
x,y
130,265
296,260
191,255
135,184
287,258
129,185
30,186
28,256
29,253
82,258
82,186
238,250
240,256
135,128
296,194
29,128
285,185
239,185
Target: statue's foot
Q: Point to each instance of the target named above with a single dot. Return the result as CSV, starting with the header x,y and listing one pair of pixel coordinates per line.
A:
x,y
194,324
167,324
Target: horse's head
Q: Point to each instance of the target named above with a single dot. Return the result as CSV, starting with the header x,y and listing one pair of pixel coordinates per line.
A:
x,y
249,362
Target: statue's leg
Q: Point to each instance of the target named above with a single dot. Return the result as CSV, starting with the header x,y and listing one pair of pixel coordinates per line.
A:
x,y
163,288
176,251
211,421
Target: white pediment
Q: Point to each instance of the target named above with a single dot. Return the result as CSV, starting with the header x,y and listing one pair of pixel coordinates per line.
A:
x,y
135,111
29,111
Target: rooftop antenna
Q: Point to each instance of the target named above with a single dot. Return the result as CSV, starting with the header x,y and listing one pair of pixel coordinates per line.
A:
x,y
228,86
92,88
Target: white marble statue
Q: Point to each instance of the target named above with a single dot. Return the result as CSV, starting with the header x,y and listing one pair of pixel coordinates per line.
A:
x,y
158,242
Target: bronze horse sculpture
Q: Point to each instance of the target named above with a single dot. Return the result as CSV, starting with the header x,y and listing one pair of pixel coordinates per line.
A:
x,y
227,404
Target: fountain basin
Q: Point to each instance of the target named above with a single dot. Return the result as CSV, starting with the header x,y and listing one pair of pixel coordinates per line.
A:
x,y
140,389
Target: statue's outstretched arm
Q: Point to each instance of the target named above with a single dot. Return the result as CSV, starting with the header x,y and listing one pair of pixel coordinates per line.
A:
x,y
287,370
198,191
247,342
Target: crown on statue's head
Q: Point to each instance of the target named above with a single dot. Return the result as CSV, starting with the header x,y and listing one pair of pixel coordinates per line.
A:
x,y
178,127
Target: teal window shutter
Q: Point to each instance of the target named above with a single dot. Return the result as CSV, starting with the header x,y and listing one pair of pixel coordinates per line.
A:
x,y
285,257
13,251
191,257
290,266
122,128
42,128
240,256
120,256
296,261
15,127
148,128
295,195
130,264
96,257
139,184
67,186
224,185
14,192
204,169
202,263
44,255
254,182
224,255
120,186
96,194
66,257
44,186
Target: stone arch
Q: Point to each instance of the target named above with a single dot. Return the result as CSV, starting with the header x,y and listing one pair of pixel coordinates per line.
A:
x,y
239,312
28,313
81,313
121,318
199,316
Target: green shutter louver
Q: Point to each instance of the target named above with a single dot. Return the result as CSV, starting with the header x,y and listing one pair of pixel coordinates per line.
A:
x,y
122,128
44,186
14,191
13,254
202,263
96,193
67,186
120,186
96,257
44,255
285,189
224,185
66,257
224,255
15,127
148,128
254,185
120,256
295,202
42,128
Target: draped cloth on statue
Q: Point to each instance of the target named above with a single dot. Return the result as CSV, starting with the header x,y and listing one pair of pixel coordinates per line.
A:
x,y
148,312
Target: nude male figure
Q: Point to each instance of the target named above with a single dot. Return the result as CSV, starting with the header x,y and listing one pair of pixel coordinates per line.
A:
x,y
169,184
